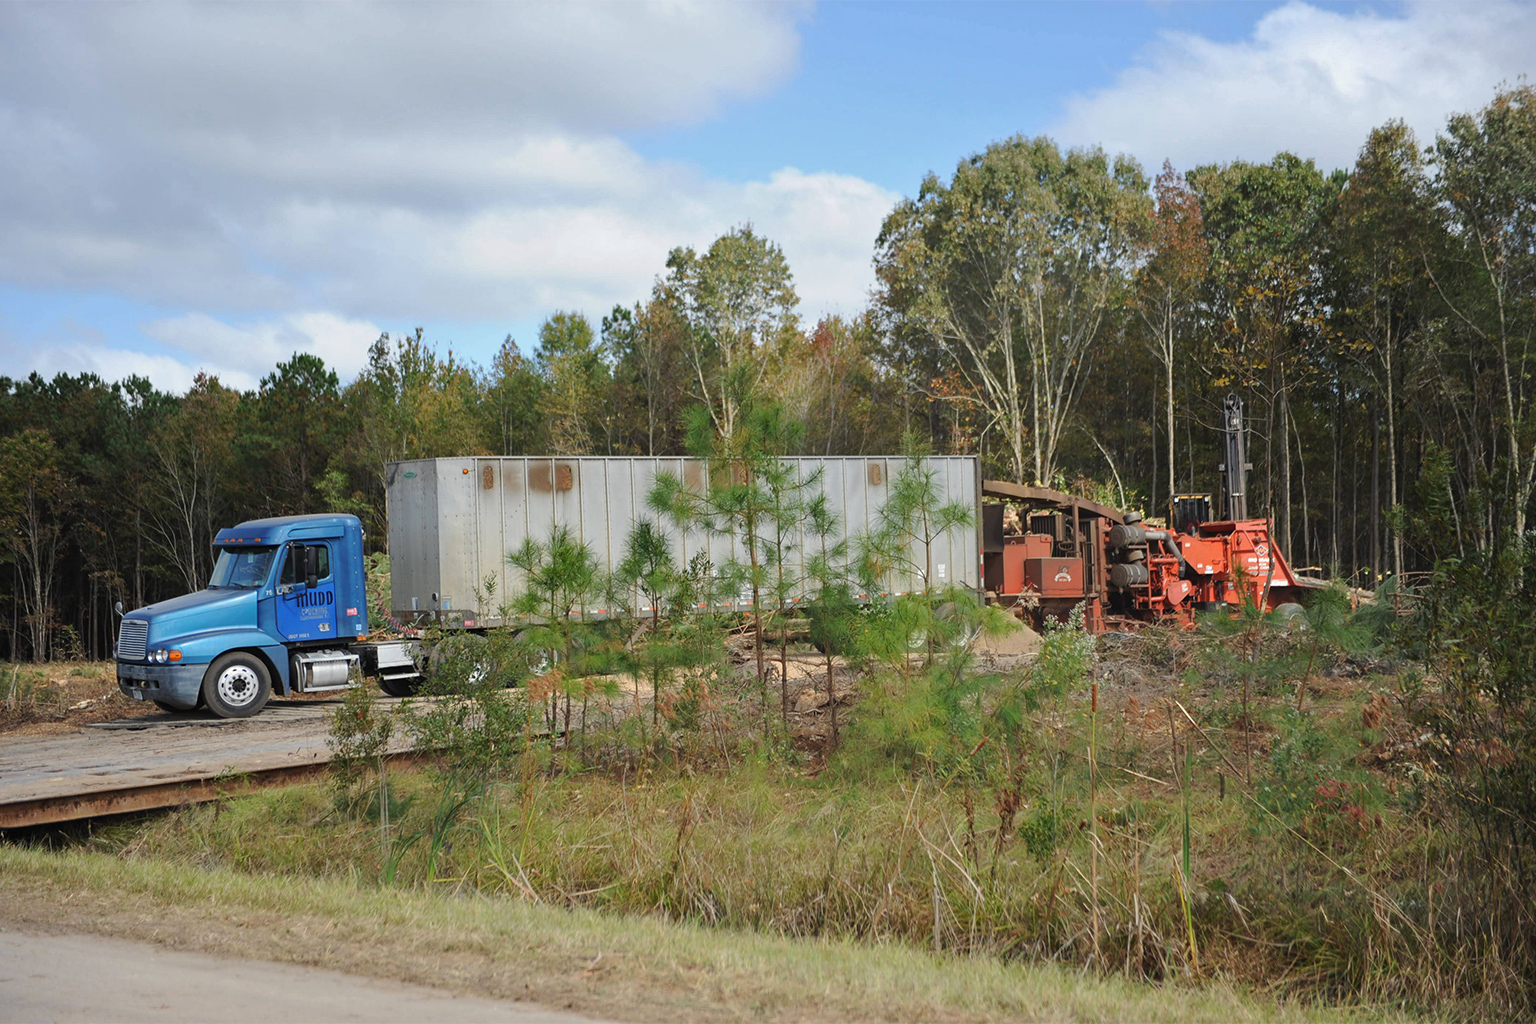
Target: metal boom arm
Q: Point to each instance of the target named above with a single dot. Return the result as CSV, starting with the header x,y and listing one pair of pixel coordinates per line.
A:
x,y
1234,466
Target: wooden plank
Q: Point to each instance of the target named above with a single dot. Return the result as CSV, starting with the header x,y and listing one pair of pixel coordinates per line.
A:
x,y
172,759
163,751
1047,496
53,810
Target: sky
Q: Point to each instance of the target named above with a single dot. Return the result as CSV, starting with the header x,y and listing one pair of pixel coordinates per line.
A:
x,y
211,188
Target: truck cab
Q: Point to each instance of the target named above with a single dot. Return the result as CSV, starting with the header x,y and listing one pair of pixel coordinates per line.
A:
x,y
284,611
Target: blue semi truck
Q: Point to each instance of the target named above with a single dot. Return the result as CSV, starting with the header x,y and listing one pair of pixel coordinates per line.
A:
x,y
285,611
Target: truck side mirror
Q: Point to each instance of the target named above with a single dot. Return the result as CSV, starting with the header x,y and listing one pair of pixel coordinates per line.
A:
x,y
118,607
311,567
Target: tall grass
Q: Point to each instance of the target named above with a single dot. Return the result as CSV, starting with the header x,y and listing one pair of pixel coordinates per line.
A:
x,y
617,968
758,847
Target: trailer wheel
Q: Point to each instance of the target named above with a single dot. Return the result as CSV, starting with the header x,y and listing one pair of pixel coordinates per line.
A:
x,y
400,687
459,660
237,685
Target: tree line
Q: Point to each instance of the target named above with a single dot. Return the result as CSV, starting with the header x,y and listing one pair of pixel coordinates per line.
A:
x,y
1058,313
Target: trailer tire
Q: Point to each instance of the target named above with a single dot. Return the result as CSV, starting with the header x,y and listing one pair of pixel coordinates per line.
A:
x,y
237,685
400,687
458,661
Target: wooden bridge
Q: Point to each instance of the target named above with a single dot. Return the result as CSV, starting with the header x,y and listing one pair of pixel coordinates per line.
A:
x,y
162,760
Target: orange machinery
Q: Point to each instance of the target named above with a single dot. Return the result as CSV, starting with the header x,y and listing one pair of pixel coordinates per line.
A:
x,y
1065,551
1123,572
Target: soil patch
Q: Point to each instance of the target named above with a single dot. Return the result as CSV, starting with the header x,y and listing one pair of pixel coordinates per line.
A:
x,y
1009,651
59,697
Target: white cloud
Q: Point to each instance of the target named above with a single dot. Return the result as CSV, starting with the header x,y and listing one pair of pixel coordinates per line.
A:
x,y
238,354
291,71
241,355
591,254
221,156
393,163
166,372
1309,80
828,223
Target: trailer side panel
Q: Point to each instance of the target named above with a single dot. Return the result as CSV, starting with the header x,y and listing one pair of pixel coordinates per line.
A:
x,y
454,521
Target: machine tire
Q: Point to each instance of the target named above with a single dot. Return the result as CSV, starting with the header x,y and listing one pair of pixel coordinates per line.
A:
x,y
237,685
1293,615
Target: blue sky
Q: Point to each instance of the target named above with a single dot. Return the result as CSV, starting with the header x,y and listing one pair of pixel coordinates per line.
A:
x,y
890,91
212,188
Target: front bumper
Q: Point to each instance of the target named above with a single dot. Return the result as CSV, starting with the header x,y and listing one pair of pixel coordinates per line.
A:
x,y
177,685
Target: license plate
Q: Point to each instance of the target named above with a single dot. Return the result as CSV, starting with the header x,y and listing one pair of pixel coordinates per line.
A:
x,y
136,694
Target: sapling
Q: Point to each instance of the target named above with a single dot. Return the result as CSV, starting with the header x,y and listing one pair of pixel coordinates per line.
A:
x,y
648,568
559,578
914,516
1247,630
1329,626
735,502
479,724
834,622
800,519
700,633
892,628
359,740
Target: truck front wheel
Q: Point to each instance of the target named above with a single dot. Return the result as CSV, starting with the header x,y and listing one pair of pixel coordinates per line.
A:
x,y
237,685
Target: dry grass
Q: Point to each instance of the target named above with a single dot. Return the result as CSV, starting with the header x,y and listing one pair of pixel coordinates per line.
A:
x,y
622,967
758,847
62,695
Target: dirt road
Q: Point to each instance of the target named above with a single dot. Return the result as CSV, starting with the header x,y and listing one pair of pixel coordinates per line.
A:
x,y
91,978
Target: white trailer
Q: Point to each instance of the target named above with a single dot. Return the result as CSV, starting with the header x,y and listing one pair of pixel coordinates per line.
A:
x,y
453,521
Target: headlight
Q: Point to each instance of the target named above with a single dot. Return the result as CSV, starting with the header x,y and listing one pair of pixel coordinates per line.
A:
x,y
159,657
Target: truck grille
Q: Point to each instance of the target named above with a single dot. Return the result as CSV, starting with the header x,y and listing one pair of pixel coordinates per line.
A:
x,y
132,639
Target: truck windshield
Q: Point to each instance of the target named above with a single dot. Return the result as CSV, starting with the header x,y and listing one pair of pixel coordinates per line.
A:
x,y
241,568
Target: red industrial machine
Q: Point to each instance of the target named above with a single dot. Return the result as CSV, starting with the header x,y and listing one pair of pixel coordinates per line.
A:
x,y
1044,552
